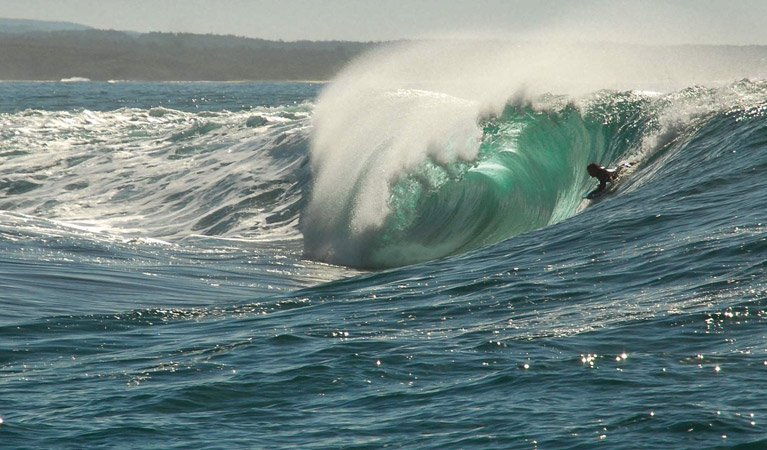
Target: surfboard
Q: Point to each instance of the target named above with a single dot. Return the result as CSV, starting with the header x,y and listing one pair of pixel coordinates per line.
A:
x,y
593,194
611,186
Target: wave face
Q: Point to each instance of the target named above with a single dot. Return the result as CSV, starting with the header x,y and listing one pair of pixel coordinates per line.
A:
x,y
518,171
408,171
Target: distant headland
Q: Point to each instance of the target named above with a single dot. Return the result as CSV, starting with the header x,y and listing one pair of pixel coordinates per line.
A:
x,y
36,51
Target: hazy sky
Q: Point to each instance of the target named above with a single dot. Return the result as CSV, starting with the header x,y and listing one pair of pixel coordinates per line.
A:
x,y
640,21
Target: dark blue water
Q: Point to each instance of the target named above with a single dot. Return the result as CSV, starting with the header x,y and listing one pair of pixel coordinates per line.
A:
x,y
158,289
107,96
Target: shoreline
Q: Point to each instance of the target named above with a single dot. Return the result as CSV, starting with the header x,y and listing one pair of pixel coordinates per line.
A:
x,y
65,81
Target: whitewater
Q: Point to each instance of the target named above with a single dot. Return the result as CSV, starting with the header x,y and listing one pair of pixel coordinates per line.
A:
x,y
402,257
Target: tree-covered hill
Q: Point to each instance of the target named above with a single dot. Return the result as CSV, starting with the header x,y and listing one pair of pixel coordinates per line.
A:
x,y
115,55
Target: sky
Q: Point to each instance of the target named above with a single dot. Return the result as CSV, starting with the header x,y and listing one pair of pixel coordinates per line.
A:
x,y
739,22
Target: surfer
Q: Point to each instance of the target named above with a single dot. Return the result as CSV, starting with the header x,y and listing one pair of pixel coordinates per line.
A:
x,y
603,175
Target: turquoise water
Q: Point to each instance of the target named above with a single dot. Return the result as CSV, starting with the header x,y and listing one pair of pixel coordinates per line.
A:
x,y
166,280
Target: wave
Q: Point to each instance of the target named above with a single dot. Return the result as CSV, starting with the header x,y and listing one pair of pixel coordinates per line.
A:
x,y
405,174
527,172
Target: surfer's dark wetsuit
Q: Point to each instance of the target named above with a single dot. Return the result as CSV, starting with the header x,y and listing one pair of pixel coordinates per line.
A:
x,y
603,175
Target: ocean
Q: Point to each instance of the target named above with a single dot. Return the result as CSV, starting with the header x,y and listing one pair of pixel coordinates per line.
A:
x,y
251,265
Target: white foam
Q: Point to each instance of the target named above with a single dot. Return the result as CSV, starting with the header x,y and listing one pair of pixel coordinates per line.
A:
x,y
137,173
